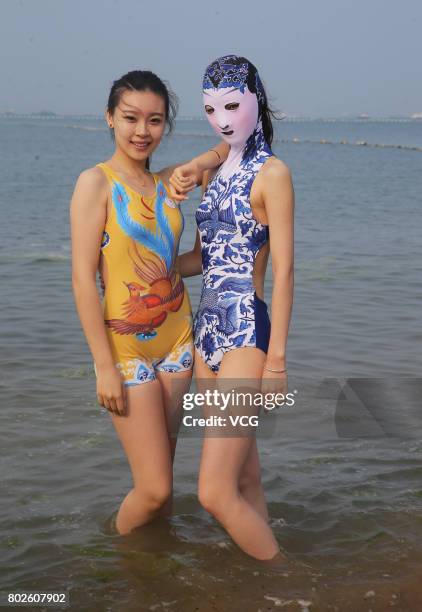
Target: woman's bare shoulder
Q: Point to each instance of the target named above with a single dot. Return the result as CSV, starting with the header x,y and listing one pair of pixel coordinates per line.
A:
x,y
92,178
275,168
91,189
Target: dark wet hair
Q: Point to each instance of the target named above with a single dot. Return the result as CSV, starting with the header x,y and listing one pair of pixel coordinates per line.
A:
x,y
232,70
266,113
144,80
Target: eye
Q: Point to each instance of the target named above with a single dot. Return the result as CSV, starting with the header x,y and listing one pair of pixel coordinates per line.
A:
x,y
209,110
156,120
130,118
232,106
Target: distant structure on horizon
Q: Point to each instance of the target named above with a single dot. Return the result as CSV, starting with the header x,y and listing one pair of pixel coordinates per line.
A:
x,y
48,114
45,113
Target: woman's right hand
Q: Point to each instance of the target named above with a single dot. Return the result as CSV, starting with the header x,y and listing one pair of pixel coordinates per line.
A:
x,y
183,179
111,392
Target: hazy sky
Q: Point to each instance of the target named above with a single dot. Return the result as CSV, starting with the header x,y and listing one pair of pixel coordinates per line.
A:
x,y
316,57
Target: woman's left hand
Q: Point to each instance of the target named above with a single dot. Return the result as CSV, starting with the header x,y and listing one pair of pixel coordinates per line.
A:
x,y
274,383
183,179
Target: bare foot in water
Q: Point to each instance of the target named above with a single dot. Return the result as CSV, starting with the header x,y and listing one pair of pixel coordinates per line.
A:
x,y
277,561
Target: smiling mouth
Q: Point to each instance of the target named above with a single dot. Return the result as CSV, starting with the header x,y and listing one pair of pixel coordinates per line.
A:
x,y
228,133
141,145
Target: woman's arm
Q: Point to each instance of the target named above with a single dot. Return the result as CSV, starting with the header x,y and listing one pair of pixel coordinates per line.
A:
x,y
88,212
278,197
190,263
186,176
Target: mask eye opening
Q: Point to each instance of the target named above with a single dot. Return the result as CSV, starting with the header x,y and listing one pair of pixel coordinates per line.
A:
x,y
231,106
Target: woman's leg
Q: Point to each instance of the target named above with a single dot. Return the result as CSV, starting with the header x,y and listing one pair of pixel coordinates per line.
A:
x,y
250,485
143,434
173,386
222,462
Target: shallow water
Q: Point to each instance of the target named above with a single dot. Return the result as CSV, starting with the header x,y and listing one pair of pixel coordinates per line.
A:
x,y
345,499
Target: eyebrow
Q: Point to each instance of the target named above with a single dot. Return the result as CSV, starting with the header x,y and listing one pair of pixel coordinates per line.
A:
x,y
137,112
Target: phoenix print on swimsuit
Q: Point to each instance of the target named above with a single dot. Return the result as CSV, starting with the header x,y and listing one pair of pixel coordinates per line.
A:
x,y
149,303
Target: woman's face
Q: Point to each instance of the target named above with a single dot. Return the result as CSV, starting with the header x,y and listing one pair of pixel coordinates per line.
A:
x,y
139,122
232,114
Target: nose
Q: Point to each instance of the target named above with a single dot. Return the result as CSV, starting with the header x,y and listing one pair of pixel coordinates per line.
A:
x,y
222,120
142,128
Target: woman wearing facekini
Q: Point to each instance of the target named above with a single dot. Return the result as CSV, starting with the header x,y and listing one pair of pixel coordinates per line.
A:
x,y
246,214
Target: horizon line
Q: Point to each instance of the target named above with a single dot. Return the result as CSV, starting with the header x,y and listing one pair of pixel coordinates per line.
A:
x,y
344,116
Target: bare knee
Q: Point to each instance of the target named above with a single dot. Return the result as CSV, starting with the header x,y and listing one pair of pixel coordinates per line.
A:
x,y
153,496
208,497
214,498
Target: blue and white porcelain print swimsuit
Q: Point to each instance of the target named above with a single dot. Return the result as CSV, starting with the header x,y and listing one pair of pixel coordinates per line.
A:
x,y
230,313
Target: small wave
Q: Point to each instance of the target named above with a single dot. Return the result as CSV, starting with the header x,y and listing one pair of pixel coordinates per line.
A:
x,y
30,258
350,143
47,258
50,258
81,372
280,602
357,143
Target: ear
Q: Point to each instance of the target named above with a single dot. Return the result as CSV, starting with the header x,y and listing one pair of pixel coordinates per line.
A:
x,y
109,119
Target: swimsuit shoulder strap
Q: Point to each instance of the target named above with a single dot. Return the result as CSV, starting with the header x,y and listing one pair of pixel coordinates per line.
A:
x,y
110,174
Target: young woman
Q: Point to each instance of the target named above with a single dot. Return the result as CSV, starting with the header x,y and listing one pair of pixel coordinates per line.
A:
x,y
246,214
126,224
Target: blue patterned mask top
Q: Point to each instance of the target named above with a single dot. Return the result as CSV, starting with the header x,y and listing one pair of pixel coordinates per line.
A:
x,y
234,71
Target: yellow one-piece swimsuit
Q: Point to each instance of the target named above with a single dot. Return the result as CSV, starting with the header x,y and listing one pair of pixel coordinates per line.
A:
x,y
146,308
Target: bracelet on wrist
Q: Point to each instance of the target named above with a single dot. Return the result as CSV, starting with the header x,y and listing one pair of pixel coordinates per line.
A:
x,y
277,371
